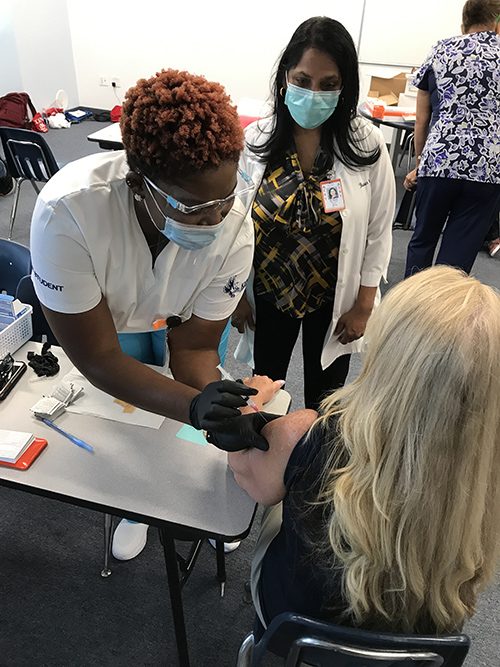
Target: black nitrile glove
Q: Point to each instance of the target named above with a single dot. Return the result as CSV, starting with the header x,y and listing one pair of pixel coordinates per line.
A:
x,y
217,402
243,432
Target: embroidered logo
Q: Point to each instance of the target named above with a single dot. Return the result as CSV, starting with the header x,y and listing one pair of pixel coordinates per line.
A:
x,y
232,287
363,184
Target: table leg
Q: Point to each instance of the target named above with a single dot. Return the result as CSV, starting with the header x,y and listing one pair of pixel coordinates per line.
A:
x,y
108,527
174,587
221,565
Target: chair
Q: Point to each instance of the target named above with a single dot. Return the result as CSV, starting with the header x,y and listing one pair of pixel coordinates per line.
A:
x,y
26,294
404,214
28,158
300,639
15,262
407,145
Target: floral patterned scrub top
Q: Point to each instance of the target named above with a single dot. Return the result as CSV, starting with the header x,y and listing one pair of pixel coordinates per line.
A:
x,y
464,141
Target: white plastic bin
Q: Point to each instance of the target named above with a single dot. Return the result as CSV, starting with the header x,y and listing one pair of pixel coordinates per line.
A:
x,y
17,333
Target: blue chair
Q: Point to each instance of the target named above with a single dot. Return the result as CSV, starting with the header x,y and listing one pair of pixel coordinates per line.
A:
x,y
299,640
15,262
28,158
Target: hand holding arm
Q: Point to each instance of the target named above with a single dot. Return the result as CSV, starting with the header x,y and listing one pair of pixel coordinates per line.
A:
x,y
239,433
260,473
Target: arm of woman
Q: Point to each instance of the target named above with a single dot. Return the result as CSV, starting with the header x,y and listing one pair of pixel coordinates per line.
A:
x,y
90,341
261,473
194,353
422,121
351,325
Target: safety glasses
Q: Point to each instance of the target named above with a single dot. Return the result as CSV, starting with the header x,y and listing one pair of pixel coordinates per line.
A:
x,y
244,186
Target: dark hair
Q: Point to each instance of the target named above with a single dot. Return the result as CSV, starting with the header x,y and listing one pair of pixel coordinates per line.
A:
x,y
175,123
479,12
337,136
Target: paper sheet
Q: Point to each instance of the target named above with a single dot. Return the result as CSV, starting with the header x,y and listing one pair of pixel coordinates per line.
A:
x,y
13,444
96,403
190,434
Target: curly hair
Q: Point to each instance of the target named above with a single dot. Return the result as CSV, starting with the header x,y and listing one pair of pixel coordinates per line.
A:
x,y
175,123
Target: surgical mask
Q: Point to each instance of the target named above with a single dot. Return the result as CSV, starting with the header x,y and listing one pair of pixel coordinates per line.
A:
x,y
309,108
191,237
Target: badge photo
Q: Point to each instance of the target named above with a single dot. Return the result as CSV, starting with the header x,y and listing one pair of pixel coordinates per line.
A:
x,y
333,195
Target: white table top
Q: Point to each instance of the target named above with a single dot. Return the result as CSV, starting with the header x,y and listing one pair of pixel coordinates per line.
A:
x,y
111,133
137,472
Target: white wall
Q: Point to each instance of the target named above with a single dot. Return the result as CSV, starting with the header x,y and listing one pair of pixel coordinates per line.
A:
x,y
70,44
402,34
10,69
35,50
221,40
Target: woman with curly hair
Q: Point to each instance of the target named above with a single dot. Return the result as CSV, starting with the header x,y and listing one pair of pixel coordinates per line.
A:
x,y
154,233
390,513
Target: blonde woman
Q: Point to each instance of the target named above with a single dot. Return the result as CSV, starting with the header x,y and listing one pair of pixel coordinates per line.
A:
x,y
391,498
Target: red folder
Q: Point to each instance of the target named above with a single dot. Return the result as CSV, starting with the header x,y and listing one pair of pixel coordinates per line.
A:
x,y
28,456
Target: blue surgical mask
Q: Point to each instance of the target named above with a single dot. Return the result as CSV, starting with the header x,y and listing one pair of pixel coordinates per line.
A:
x,y
309,108
191,237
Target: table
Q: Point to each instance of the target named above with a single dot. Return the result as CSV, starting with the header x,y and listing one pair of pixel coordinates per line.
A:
x,y
108,137
399,125
147,475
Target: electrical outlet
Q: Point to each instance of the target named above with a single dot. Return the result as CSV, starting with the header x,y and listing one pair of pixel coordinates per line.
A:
x,y
115,82
104,81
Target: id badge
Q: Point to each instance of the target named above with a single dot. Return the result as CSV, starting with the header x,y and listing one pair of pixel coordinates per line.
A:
x,y
333,195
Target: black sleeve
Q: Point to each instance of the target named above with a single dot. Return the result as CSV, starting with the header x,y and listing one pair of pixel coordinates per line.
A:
x,y
303,456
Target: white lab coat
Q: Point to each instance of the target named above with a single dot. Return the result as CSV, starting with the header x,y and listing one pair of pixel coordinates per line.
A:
x,y
366,239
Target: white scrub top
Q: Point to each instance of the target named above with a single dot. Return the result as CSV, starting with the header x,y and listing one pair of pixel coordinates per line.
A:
x,y
86,243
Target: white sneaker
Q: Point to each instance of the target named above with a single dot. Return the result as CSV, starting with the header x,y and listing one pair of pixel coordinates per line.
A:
x,y
129,539
228,546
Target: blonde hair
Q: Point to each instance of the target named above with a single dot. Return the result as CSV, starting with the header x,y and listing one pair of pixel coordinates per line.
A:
x,y
415,514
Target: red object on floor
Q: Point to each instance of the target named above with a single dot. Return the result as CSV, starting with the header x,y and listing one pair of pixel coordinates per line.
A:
x,y
115,113
38,124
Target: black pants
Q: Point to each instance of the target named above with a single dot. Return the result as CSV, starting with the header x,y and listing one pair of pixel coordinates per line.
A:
x,y
275,336
467,208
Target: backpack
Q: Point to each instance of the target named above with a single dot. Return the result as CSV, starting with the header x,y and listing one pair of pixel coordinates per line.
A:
x,y
14,110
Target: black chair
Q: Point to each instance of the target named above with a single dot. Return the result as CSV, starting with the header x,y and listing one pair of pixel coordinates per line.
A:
x,y
28,158
15,262
299,640
404,214
408,146
26,294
